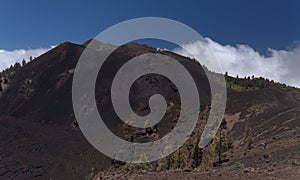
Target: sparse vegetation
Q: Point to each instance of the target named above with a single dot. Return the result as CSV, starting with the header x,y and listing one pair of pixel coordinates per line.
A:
x,y
207,159
248,136
221,141
143,165
196,154
137,166
253,83
237,165
166,163
179,159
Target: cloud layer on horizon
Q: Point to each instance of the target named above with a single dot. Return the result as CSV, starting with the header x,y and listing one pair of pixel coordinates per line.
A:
x,y
242,60
8,58
281,65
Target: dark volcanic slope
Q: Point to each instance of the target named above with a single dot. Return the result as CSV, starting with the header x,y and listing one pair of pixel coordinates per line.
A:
x,y
41,90
264,126
37,138
34,150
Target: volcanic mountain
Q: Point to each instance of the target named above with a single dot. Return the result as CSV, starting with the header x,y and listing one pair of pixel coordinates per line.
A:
x,y
40,137
39,127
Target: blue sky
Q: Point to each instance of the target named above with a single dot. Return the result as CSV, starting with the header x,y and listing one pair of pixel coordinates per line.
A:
x,y
260,24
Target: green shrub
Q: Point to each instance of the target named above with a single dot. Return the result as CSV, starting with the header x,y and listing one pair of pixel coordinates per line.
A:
x,y
142,164
137,166
237,165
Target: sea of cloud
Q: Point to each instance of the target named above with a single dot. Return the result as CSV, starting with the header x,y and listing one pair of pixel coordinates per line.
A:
x,y
8,58
242,60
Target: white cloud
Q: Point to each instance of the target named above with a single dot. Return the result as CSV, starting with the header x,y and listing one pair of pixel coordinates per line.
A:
x,y
8,58
282,65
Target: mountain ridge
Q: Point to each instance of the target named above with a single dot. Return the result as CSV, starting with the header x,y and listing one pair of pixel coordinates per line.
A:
x,y
36,111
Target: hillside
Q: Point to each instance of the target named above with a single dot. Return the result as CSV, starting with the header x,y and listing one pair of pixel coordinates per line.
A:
x,y
40,137
36,110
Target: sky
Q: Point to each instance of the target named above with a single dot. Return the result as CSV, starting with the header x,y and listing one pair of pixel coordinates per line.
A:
x,y
243,33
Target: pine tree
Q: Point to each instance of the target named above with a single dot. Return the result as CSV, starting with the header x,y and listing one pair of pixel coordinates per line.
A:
x,y
23,62
166,163
196,155
226,74
179,159
221,141
16,66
